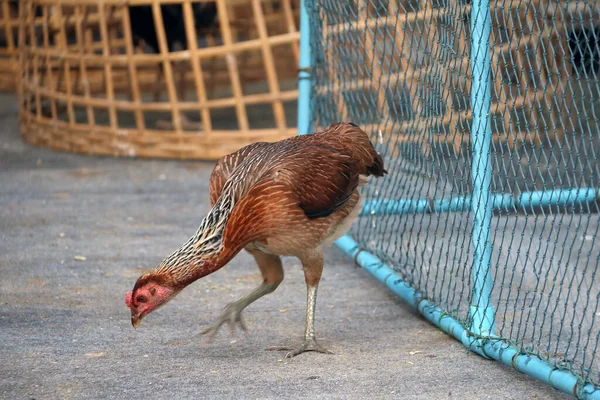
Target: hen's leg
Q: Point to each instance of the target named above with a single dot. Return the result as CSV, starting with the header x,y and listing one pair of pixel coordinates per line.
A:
x,y
272,271
312,265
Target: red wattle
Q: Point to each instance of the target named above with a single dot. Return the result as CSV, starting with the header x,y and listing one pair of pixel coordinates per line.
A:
x,y
128,299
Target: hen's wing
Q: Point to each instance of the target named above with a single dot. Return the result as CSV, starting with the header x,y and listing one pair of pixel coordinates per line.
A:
x,y
322,179
312,181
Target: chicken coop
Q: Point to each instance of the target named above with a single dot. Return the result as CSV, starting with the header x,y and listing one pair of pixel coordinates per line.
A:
x,y
9,25
487,116
188,79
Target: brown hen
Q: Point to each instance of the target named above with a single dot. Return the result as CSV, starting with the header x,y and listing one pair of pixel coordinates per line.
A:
x,y
288,198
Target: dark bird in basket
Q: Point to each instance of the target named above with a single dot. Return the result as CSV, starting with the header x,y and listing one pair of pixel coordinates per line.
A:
x,y
13,13
144,28
288,198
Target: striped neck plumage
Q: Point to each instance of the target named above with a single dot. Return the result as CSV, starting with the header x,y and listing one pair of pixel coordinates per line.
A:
x,y
202,254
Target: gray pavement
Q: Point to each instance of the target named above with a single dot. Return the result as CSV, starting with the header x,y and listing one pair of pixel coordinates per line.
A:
x,y
75,233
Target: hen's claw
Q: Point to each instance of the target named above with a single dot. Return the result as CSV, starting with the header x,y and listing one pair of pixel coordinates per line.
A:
x,y
233,312
307,345
232,315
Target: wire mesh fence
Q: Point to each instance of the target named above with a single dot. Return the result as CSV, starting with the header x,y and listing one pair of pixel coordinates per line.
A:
x,y
401,70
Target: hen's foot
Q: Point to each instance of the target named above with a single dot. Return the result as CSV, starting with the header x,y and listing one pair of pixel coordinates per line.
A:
x,y
233,312
308,345
232,315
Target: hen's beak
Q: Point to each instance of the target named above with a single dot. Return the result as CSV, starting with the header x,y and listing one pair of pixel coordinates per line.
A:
x,y
135,320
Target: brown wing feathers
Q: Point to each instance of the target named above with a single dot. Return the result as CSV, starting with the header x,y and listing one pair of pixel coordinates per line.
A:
x,y
322,182
322,170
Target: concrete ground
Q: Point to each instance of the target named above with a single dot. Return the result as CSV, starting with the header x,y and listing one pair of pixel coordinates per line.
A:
x,y
76,232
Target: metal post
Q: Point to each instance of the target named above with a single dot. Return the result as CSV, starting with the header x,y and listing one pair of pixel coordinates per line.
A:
x,y
482,313
305,118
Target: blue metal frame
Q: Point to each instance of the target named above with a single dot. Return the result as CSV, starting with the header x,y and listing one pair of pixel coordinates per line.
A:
x,y
479,338
499,202
305,117
493,348
482,313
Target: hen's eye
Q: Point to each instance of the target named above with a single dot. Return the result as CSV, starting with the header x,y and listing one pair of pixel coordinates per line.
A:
x,y
141,299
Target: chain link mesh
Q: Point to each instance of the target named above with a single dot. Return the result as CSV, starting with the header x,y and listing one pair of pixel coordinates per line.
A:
x,y
400,69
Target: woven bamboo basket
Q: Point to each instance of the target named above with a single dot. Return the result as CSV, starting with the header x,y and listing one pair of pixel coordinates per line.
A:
x,y
9,23
219,76
519,98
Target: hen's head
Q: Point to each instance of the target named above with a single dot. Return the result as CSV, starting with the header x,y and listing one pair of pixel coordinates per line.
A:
x,y
149,293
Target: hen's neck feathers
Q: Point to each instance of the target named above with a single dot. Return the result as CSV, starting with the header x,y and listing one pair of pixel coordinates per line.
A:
x,y
204,252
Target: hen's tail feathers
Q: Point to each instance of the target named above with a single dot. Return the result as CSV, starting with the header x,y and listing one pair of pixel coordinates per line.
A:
x,y
354,141
376,169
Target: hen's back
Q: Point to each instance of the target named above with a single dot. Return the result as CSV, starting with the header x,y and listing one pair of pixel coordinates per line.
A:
x,y
258,158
